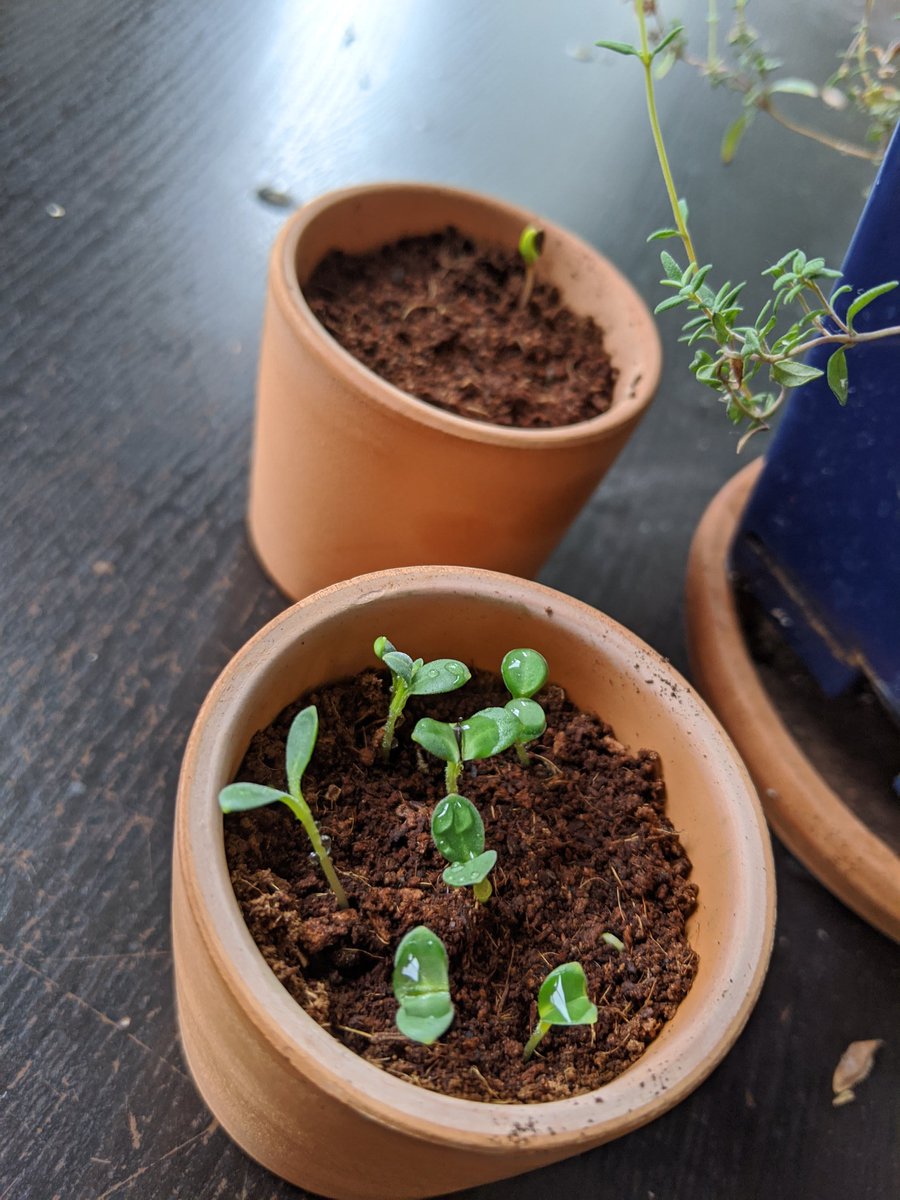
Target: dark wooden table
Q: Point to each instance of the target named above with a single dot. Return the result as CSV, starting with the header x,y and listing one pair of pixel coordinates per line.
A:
x,y
136,136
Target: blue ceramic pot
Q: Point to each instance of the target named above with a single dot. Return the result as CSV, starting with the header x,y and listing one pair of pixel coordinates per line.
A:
x,y
819,543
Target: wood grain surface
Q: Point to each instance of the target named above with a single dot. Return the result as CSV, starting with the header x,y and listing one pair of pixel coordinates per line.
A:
x,y
130,324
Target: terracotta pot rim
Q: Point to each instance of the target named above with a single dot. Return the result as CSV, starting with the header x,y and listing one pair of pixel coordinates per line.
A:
x,y
812,820
628,402
657,1081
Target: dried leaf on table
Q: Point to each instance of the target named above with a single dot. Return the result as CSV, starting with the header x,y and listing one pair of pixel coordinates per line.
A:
x,y
855,1064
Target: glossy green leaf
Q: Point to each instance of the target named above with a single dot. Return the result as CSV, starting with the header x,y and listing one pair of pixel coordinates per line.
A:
x,y
301,741
524,671
241,797
488,732
563,998
838,379
467,874
530,716
421,986
457,828
866,298
441,675
437,738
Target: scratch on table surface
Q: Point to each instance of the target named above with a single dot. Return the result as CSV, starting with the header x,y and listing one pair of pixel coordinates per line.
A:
x,y
19,1075
65,958
102,1016
205,1134
133,1130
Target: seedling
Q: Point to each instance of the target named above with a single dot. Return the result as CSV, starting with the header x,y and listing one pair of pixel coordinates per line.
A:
x,y
487,732
562,1000
524,673
422,986
458,832
531,246
414,677
240,797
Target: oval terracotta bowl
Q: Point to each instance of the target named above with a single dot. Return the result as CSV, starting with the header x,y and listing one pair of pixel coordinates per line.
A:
x,y
398,477
303,1104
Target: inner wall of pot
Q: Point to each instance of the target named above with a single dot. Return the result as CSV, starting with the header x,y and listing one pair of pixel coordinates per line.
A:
x,y
365,220
617,678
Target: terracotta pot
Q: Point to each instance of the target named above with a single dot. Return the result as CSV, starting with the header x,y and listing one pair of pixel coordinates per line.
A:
x,y
349,474
302,1103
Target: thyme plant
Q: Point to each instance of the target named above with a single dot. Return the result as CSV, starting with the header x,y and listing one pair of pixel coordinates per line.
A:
x,y
745,355
240,797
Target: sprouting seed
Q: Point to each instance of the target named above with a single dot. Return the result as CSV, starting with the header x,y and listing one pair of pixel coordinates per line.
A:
x,y
241,797
422,986
414,677
531,246
562,1000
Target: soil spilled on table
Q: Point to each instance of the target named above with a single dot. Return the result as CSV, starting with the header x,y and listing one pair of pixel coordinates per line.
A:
x,y
439,317
584,848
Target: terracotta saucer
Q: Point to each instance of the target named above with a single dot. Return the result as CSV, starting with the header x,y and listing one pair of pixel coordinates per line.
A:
x,y
807,815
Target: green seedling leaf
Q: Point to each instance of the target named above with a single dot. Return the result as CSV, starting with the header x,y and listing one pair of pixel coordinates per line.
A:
x,y
866,298
612,940
838,379
562,1000
457,829
381,645
488,732
422,987
241,797
441,675
524,671
531,244
438,739
530,716
301,742
619,48
399,664
472,872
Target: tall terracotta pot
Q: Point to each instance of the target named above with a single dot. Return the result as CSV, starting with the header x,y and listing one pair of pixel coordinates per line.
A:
x,y
350,474
302,1103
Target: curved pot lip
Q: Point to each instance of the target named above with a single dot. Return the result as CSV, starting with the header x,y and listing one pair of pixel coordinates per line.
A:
x,y
288,294
651,1086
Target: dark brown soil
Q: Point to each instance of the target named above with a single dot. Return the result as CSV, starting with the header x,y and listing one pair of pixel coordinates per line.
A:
x,y
439,317
584,849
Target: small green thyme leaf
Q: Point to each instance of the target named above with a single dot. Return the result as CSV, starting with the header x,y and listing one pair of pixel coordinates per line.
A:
x,y
837,376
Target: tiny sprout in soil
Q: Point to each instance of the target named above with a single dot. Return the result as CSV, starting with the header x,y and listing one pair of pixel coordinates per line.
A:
x,y
531,246
422,986
524,672
484,734
239,797
562,1000
458,832
414,677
